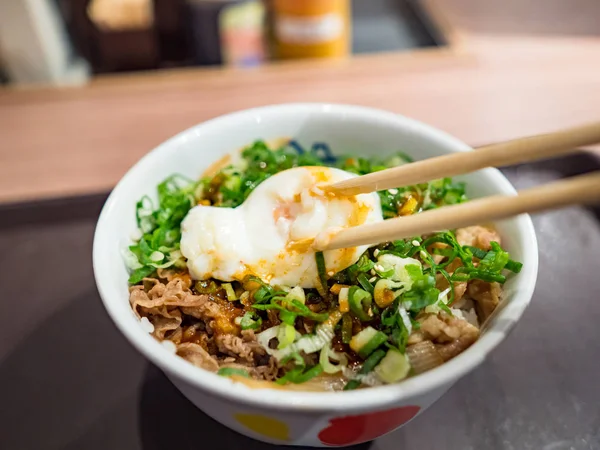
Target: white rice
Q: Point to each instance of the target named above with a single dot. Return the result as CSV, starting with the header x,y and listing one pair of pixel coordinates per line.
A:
x,y
146,325
170,346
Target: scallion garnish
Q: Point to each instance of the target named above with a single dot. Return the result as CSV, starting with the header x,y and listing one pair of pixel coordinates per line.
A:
x,y
363,280
367,367
229,371
513,266
298,374
374,343
360,303
346,328
292,306
322,271
250,321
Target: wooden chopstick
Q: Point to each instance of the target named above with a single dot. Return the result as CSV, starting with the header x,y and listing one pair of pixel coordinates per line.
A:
x,y
584,189
495,155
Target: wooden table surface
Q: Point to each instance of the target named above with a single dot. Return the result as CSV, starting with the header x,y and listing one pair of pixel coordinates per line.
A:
x,y
485,88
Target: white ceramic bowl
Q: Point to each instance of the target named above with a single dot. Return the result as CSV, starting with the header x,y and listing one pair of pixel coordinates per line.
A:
x,y
290,417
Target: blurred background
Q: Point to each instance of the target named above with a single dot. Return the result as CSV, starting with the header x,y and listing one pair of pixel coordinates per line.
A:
x,y
69,41
96,70
64,42
87,87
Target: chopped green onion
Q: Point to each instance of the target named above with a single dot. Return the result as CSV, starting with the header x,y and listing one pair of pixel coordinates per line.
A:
x,y
297,376
322,271
131,260
229,371
375,342
423,293
250,321
514,266
361,339
141,273
365,283
328,354
263,294
450,284
206,287
363,265
346,328
157,256
229,291
488,276
479,274
286,335
448,252
287,316
304,311
372,361
296,293
360,303
495,259
299,309
367,367
394,367
384,272
477,252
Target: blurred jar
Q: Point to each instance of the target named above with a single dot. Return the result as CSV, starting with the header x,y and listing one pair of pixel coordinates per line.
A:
x,y
310,28
227,31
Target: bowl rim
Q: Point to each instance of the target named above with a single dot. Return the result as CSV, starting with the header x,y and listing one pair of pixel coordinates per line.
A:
x,y
370,398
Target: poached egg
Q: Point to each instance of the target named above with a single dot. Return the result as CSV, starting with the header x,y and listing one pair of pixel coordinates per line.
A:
x,y
256,237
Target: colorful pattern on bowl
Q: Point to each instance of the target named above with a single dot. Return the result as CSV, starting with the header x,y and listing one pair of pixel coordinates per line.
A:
x,y
306,428
265,426
350,430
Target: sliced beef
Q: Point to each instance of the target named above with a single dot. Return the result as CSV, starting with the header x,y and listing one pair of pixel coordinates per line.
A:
x,y
486,296
195,354
451,335
245,348
477,236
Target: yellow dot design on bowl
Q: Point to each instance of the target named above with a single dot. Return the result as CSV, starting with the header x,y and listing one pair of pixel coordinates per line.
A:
x,y
265,426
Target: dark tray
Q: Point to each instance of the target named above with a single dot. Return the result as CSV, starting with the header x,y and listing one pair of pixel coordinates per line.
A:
x,y
392,25
68,380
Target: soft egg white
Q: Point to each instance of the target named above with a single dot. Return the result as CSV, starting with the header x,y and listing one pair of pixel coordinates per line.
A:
x,y
254,238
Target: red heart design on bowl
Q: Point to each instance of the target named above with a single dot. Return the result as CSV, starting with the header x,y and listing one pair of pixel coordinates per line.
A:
x,y
350,430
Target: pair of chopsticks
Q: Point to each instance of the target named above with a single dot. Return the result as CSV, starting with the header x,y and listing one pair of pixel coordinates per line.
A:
x,y
584,189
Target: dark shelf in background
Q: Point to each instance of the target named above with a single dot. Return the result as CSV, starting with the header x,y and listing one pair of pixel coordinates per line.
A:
x,y
392,25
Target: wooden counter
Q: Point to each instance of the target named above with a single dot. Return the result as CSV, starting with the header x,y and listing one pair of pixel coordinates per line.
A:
x,y
488,87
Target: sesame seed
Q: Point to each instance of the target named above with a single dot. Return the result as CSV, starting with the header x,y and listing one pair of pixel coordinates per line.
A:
x,y
373,280
376,252
373,272
331,273
379,267
416,243
393,191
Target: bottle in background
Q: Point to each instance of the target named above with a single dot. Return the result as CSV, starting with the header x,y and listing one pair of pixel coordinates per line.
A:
x,y
227,32
310,28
